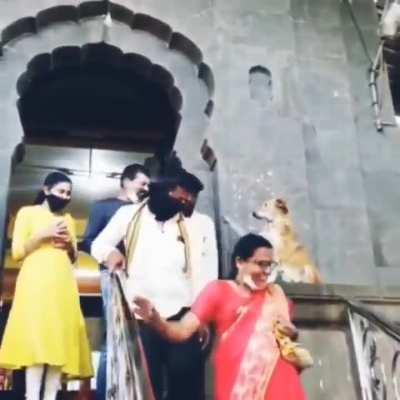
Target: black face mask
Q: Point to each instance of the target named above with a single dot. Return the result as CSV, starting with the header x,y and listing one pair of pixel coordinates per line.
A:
x,y
188,210
142,194
56,203
163,206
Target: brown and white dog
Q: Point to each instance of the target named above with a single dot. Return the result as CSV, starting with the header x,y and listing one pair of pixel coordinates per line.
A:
x,y
295,264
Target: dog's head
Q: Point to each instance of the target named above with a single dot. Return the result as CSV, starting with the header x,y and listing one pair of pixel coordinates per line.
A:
x,y
271,209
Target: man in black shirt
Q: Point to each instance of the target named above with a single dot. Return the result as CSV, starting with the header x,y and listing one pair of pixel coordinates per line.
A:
x,y
134,184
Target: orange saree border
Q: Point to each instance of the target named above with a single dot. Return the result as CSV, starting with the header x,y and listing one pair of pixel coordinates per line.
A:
x,y
262,352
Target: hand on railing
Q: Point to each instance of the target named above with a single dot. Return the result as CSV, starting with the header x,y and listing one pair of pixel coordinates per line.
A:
x,y
115,261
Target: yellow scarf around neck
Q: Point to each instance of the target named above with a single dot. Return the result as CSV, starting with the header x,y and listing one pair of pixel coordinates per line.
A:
x,y
132,235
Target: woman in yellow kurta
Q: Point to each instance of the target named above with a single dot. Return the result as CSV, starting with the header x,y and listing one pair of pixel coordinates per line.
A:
x,y
45,325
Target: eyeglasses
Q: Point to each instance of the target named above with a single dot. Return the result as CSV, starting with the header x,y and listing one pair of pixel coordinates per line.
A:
x,y
267,265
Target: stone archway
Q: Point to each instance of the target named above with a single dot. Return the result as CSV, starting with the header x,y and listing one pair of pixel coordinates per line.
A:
x,y
69,28
97,96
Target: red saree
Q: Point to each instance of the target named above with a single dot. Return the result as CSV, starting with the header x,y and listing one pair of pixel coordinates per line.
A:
x,y
247,359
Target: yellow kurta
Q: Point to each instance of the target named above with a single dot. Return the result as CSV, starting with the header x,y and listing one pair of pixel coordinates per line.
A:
x,y
45,325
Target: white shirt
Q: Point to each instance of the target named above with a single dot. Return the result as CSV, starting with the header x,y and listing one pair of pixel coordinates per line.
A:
x,y
157,268
204,254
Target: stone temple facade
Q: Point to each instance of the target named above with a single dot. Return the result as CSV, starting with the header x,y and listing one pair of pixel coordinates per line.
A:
x,y
279,91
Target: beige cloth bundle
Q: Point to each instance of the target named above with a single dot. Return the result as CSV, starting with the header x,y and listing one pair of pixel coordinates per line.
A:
x,y
292,351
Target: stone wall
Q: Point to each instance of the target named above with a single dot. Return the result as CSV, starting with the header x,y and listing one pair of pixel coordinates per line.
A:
x,y
312,141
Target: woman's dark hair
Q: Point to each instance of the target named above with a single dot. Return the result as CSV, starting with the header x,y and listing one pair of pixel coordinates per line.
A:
x,y
246,246
50,181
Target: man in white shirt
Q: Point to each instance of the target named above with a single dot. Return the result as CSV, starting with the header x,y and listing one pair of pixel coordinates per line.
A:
x,y
162,264
203,229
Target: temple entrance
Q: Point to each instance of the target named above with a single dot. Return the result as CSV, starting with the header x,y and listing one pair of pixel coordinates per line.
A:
x,y
95,96
89,118
89,112
89,109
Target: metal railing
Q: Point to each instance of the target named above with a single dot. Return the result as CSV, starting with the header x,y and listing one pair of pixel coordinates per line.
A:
x,y
376,343
127,375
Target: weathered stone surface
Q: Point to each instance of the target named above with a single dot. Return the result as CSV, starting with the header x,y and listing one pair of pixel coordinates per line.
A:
x,y
314,142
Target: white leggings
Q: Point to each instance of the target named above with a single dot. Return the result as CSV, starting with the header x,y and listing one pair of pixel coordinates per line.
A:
x,y
34,376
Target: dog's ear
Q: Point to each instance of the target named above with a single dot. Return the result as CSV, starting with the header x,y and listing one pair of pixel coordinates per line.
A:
x,y
281,205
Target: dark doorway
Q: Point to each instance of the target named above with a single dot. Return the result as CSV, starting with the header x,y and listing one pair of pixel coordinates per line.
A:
x,y
95,96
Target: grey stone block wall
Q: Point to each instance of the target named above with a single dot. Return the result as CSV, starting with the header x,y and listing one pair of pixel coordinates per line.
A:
x,y
314,144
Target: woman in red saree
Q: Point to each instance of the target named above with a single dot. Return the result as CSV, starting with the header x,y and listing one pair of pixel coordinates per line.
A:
x,y
248,365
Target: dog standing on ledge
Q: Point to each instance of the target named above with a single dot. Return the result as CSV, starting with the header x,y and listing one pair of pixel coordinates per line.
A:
x,y
295,264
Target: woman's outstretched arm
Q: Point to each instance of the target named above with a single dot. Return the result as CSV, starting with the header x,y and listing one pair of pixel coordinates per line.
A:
x,y
175,331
